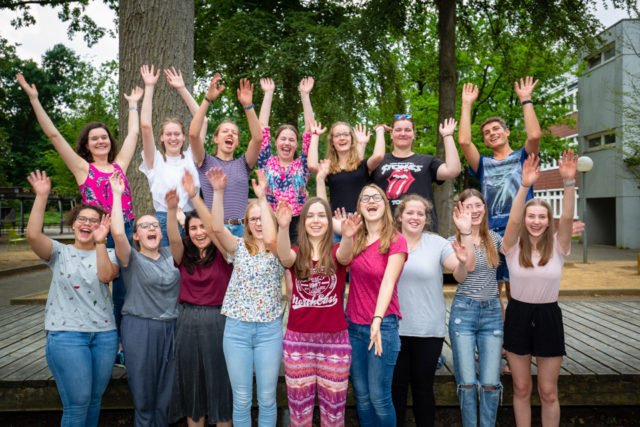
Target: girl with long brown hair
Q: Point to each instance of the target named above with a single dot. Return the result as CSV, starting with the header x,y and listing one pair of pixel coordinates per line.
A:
x,y
316,348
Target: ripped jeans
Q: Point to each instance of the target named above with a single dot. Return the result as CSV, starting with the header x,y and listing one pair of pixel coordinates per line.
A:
x,y
476,325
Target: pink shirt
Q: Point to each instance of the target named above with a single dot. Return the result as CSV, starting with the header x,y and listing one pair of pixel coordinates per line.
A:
x,y
540,284
367,271
96,191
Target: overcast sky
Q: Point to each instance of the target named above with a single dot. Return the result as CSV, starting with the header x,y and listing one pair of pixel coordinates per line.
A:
x,y
48,31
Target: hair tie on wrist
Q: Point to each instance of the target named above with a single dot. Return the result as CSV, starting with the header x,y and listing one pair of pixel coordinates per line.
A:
x,y
210,101
465,234
249,107
444,136
525,186
569,182
133,108
526,101
377,317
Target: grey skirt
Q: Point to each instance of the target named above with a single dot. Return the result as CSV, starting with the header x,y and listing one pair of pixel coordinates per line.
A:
x,y
201,385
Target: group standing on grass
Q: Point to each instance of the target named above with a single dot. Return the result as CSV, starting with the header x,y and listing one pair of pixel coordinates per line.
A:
x,y
199,283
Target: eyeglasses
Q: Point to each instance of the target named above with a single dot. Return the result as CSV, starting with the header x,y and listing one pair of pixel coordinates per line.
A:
x,y
145,225
342,135
402,116
374,197
84,220
255,219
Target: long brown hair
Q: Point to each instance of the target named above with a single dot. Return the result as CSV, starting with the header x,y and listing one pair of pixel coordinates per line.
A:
x,y
545,243
163,149
191,257
353,161
304,261
249,239
83,142
428,207
388,232
490,250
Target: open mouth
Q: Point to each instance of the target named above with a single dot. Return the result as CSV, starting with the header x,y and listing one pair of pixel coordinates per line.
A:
x,y
85,232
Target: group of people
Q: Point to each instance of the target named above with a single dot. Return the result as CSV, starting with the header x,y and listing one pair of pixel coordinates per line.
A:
x,y
200,281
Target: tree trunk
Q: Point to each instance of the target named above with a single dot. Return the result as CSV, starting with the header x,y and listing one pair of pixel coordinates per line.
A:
x,y
154,32
447,82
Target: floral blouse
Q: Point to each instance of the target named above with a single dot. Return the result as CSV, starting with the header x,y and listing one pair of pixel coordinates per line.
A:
x,y
255,290
285,183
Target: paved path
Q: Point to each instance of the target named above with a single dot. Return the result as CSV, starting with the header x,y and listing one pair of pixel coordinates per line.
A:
x,y
24,284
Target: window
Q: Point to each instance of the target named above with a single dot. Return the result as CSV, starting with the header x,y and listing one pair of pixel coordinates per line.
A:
x,y
594,141
606,54
554,198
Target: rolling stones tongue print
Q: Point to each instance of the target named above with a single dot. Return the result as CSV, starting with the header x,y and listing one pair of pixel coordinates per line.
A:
x,y
399,182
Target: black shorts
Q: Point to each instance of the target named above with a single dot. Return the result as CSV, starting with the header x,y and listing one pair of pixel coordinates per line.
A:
x,y
534,329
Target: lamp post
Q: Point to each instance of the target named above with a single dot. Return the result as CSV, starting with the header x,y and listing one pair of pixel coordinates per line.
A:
x,y
585,164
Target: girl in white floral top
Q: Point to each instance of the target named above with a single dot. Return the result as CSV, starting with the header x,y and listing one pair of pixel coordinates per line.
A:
x,y
252,304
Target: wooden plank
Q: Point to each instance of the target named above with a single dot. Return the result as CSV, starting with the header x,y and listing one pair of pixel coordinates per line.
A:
x,y
633,305
22,313
14,371
581,343
620,311
20,357
597,319
9,311
24,339
598,337
7,335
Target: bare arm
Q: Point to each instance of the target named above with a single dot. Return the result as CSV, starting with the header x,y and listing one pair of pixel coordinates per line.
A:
x,y
471,153
268,87
567,168
218,181
312,156
451,167
133,129
378,149
107,271
306,85
175,80
462,220
196,139
146,115
123,248
245,96
286,255
524,89
173,233
530,174
391,273
349,227
76,164
39,242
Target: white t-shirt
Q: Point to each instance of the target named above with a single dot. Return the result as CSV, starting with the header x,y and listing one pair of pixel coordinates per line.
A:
x,y
166,175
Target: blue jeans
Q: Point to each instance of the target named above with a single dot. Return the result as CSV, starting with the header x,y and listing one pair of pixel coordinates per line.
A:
x,y
502,273
81,364
475,324
372,375
118,290
236,230
249,345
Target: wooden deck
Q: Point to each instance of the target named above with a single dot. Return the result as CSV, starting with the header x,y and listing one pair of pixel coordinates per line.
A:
x,y
602,366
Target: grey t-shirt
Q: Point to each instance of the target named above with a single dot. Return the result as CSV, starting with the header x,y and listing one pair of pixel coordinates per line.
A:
x,y
152,286
77,300
420,288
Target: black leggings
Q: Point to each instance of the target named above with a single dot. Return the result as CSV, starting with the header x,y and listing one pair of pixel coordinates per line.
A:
x,y
416,365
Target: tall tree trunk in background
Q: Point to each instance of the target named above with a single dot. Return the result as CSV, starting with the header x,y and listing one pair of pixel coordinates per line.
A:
x,y
447,102
161,33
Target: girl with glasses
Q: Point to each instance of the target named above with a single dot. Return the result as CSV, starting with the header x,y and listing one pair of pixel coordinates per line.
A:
x,y
252,304
81,331
201,388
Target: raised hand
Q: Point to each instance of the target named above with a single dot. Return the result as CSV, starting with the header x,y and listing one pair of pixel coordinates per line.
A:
x,y
469,93
363,135
461,252
172,199
577,228
448,127
530,170
135,96
40,183
462,218
384,127
351,225
306,85
217,178
174,78
260,187
117,183
29,89
323,169
283,213
567,166
317,129
215,87
149,75
339,215
524,88
245,92
188,184
103,229
267,85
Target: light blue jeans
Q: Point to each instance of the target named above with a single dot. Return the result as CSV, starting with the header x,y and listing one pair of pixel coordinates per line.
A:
x,y
249,345
81,364
372,375
118,287
475,324
236,230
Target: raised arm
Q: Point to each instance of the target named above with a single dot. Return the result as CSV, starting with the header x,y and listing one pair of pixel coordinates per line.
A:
x,y
392,271
150,78
173,233
362,139
463,259
39,242
245,96
349,227
269,233
316,130
175,80
451,167
524,89
567,168
378,149
471,153
218,181
123,248
76,164
286,255
323,172
133,129
268,87
306,85
189,186
530,174
196,140
107,271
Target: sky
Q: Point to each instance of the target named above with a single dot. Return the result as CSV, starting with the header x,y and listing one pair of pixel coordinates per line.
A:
x,y
49,30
